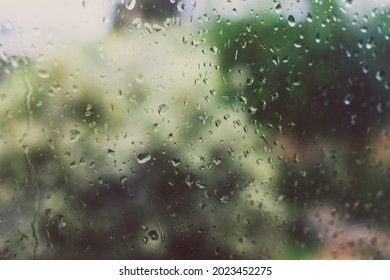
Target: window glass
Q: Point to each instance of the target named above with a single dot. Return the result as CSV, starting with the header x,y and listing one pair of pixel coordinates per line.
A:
x,y
182,129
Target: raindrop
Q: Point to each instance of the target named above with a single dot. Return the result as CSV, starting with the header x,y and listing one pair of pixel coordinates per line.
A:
x,y
180,6
318,37
136,23
224,199
130,4
143,157
200,184
348,99
74,135
175,162
291,20
111,152
163,109
354,119
379,107
278,8
43,74
49,213
145,239
123,179
153,235
214,50
363,29
379,75
309,17
140,79
370,43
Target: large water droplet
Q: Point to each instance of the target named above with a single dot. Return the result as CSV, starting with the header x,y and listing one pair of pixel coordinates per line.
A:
x,y
143,157
291,20
278,8
74,135
180,6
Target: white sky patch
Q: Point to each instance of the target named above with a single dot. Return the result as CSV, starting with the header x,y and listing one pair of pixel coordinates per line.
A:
x,y
26,26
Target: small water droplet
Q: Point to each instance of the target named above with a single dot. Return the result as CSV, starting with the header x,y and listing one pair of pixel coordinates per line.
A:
x,y
379,75
74,135
354,119
348,99
145,239
175,162
43,74
111,152
278,8
143,157
130,4
49,213
214,50
363,29
318,37
309,17
123,179
291,20
140,78
136,23
153,235
224,199
163,109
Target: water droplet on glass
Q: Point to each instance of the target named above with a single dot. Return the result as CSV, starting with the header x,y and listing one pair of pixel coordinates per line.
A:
x,y
175,162
136,23
43,74
143,157
140,78
49,213
74,135
145,239
180,6
354,119
379,107
153,234
130,4
291,20
163,109
278,8
224,199
214,50
309,17
318,37
200,184
379,75
111,152
123,179
348,99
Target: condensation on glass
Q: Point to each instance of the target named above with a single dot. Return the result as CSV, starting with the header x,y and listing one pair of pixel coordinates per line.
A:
x,y
185,129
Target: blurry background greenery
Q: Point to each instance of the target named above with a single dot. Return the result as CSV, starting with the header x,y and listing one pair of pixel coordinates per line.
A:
x,y
189,131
